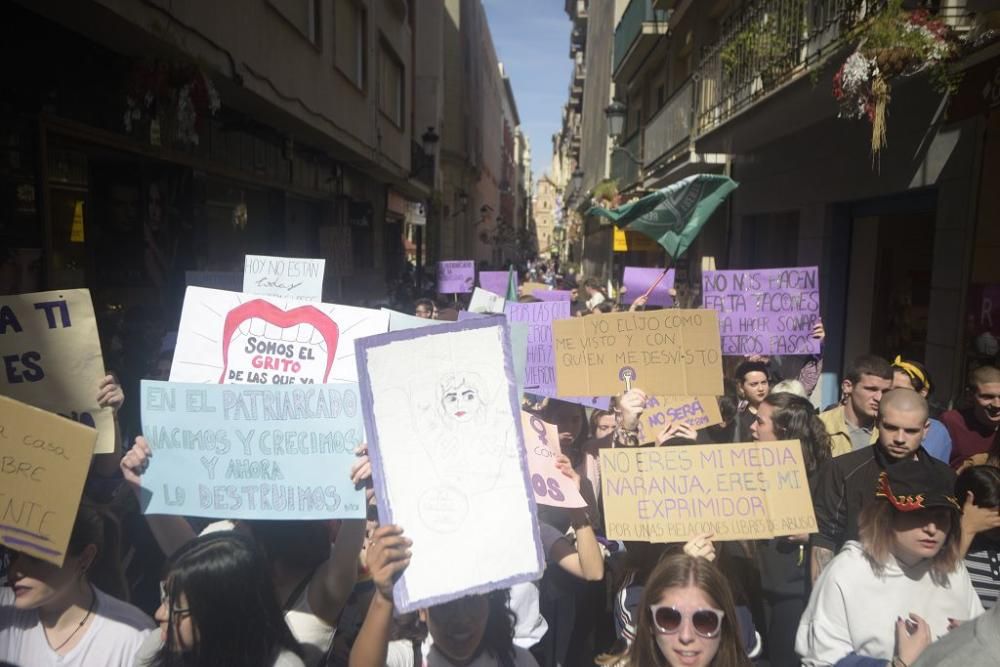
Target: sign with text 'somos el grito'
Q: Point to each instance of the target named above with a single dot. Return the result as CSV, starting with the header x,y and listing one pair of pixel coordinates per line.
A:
x,y
666,352
765,311
50,357
44,460
740,491
284,277
244,452
231,338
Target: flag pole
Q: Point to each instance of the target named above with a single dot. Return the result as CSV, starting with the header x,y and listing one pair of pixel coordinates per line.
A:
x,y
658,280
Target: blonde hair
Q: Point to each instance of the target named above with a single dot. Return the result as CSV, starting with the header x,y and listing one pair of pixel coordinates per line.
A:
x,y
875,530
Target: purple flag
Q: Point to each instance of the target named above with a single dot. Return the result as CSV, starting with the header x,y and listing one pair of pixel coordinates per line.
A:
x,y
494,281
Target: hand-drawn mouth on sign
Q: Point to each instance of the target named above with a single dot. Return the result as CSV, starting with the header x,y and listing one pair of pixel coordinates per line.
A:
x,y
287,339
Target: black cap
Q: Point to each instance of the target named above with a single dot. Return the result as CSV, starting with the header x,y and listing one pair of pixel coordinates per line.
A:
x,y
913,485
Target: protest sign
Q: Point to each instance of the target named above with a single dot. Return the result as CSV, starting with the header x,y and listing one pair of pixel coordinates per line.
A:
x,y
45,462
243,452
456,277
51,357
529,289
765,311
540,375
495,281
744,491
637,280
665,352
401,321
553,295
697,412
227,280
231,338
484,301
444,425
284,277
551,487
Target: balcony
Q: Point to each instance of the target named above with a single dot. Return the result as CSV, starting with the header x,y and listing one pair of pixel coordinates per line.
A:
x,y
579,69
623,168
769,43
636,34
669,131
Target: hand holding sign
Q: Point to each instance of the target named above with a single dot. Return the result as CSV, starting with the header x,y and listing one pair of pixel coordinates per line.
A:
x,y
387,556
548,467
631,404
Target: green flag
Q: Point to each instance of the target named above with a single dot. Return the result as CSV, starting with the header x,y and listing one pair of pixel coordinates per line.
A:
x,y
674,215
511,284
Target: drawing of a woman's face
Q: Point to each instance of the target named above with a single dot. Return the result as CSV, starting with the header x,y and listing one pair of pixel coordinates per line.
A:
x,y
460,402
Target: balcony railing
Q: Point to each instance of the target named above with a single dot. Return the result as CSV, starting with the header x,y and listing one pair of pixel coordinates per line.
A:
x,y
623,168
765,45
670,129
629,28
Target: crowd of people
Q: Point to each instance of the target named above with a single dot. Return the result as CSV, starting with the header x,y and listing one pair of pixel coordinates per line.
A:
x,y
903,570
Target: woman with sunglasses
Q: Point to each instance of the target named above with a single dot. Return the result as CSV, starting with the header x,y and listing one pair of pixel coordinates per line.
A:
x,y
686,619
219,609
887,597
52,615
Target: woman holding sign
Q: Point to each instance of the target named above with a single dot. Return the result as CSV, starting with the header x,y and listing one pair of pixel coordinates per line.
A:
x,y
53,615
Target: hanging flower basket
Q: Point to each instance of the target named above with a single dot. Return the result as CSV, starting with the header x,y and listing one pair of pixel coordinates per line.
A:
x,y
895,43
178,97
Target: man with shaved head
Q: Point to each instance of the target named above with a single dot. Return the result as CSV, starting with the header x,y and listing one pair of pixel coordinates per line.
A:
x,y
973,429
845,484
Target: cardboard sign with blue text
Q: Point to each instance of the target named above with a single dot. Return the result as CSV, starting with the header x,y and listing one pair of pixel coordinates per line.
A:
x,y
744,491
50,357
246,452
45,462
284,277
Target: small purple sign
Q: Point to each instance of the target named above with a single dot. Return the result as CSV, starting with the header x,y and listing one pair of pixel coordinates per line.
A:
x,y
553,295
495,281
765,311
638,279
457,277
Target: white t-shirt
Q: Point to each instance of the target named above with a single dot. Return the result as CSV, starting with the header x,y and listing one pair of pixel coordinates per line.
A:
x,y
400,654
154,643
530,626
852,610
111,639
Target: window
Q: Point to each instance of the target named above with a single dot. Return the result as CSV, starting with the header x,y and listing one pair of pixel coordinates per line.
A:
x,y
351,40
391,86
303,15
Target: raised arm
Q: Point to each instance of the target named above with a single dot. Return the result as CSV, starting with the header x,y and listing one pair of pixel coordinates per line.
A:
x,y
171,532
387,557
109,395
585,560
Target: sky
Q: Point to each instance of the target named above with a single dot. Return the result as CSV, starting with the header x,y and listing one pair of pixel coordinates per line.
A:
x,y
532,41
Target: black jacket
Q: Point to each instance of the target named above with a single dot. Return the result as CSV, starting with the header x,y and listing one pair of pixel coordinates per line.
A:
x,y
846,484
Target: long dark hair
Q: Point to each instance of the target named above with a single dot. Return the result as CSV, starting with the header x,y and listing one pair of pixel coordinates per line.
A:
x,y
96,525
984,483
300,545
498,636
795,418
680,571
232,603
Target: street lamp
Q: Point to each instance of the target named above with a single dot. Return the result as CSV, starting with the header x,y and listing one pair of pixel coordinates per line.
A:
x,y
429,140
576,181
615,113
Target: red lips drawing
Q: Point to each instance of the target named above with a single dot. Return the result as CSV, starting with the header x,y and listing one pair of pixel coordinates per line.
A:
x,y
262,310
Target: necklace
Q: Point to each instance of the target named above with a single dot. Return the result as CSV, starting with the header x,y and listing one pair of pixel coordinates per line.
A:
x,y
90,610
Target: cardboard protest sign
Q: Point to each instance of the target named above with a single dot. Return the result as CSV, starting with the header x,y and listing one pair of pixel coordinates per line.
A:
x,y
284,277
530,288
401,321
495,281
45,459
51,357
540,376
666,352
551,487
553,295
637,280
698,412
484,301
765,311
245,452
227,280
456,277
737,492
231,338
444,433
